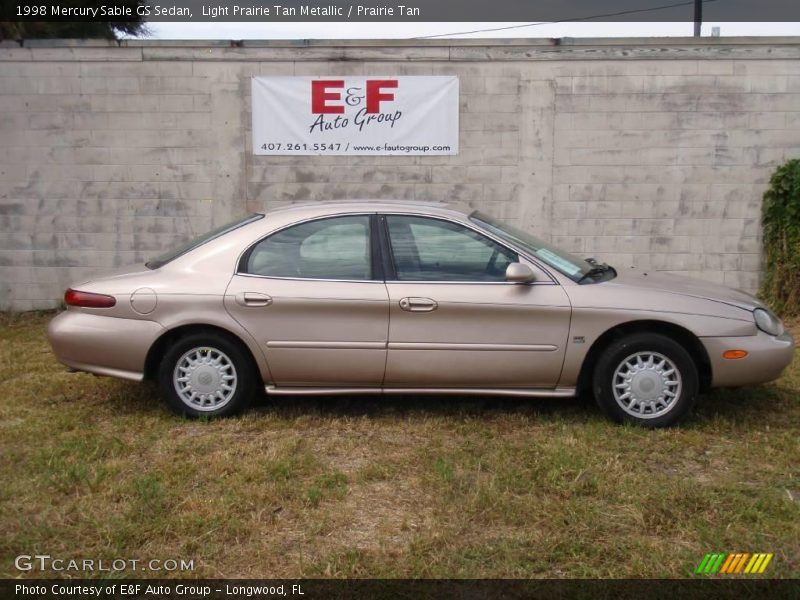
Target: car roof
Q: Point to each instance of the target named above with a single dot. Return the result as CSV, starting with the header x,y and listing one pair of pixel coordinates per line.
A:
x,y
322,208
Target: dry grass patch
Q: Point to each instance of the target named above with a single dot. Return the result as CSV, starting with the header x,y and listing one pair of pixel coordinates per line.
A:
x,y
387,487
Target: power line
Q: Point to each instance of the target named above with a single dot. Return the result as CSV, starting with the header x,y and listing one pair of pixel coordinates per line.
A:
x,y
614,14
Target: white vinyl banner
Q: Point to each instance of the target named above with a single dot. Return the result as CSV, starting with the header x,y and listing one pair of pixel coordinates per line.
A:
x,y
355,115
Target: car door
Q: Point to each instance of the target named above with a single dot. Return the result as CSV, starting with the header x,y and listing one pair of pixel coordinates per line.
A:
x,y
308,295
454,321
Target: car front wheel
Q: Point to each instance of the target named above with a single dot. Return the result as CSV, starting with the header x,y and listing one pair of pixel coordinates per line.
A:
x,y
206,374
646,379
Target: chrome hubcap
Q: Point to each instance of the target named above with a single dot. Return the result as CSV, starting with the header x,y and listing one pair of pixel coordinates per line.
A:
x,y
204,378
647,385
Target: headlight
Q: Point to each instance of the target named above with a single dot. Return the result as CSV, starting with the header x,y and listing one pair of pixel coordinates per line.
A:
x,y
767,322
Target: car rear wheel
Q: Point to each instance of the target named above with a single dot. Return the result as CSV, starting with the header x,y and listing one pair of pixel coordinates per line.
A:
x,y
206,374
646,379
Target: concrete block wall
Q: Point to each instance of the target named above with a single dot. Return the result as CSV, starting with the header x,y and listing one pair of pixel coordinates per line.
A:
x,y
649,153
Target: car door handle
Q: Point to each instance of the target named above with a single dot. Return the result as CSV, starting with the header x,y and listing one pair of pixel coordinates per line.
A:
x,y
253,299
418,304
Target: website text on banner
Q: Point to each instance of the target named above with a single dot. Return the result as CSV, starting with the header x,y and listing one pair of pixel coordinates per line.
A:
x,y
355,115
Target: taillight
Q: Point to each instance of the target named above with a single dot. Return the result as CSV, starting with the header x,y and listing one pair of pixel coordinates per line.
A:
x,y
88,299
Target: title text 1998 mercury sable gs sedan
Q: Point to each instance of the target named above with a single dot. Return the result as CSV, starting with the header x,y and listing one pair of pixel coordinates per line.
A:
x,y
381,297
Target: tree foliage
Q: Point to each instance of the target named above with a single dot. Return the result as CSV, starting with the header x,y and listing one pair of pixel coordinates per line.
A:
x,y
780,218
78,29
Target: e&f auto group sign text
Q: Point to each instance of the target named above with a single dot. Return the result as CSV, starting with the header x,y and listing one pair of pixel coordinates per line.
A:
x,y
355,115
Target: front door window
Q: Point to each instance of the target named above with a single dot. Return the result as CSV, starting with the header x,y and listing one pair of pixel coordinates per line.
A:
x,y
426,249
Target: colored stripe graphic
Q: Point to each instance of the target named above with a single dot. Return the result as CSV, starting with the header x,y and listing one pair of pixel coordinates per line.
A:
x,y
702,566
740,564
759,560
728,562
736,563
751,564
764,564
717,563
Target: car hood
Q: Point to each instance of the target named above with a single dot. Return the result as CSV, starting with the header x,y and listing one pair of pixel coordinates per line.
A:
x,y
686,286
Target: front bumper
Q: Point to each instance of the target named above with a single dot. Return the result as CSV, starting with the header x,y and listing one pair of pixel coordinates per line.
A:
x,y
101,344
767,357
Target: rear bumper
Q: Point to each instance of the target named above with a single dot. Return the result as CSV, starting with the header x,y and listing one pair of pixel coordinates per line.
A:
x,y
767,357
102,345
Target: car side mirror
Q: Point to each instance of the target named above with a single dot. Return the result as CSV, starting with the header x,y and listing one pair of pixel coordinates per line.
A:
x,y
519,273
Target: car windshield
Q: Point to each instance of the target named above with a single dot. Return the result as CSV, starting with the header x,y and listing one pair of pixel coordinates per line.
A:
x,y
572,266
160,261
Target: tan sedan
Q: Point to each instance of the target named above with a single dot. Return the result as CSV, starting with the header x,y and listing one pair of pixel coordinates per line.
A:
x,y
382,297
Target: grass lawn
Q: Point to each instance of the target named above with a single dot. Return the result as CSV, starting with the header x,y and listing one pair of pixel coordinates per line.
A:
x,y
387,487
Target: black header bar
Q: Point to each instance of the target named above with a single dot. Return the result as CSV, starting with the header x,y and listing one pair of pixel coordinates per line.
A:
x,y
401,10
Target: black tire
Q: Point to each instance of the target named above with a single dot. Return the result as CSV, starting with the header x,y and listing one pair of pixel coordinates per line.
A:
x,y
233,359
668,409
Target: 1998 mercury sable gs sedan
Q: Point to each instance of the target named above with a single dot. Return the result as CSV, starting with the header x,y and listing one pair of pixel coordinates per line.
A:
x,y
382,297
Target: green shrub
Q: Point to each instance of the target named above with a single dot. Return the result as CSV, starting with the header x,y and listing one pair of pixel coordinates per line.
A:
x,y
780,218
